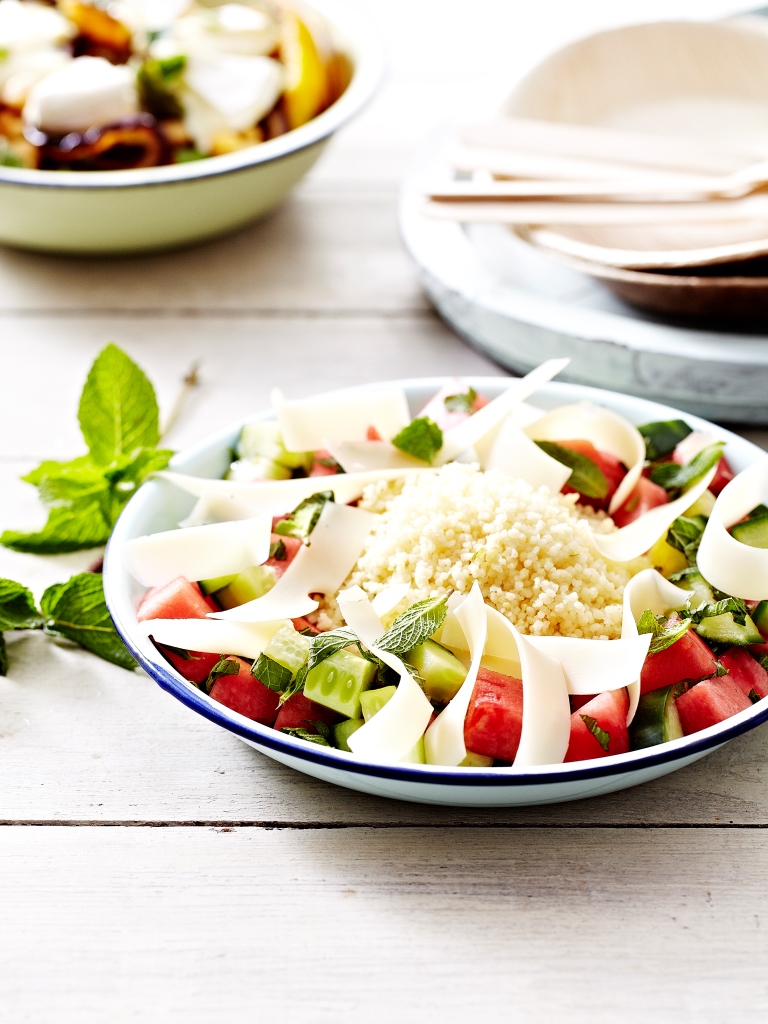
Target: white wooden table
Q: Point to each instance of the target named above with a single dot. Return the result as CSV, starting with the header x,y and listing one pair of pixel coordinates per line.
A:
x,y
152,867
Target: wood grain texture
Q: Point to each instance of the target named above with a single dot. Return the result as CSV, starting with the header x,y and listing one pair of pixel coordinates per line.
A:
x,y
408,924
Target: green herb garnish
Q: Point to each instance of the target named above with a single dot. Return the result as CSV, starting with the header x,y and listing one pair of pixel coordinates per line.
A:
x,y
119,420
685,535
602,737
272,675
305,734
156,82
223,667
663,437
277,551
302,521
733,605
664,632
422,439
461,402
76,610
414,626
676,479
753,696
586,477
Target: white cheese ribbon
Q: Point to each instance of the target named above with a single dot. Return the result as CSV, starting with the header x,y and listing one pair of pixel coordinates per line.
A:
x,y
306,424
487,419
594,666
444,739
200,552
546,708
390,597
393,731
649,589
213,636
726,563
364,456
320,567
275,497
514,453
214,509
87,92
637,537
606,430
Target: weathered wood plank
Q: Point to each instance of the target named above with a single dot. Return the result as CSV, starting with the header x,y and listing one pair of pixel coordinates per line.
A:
x,y
319,925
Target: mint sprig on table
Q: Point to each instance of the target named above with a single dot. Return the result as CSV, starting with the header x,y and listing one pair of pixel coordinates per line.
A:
x,y
75,610
119,419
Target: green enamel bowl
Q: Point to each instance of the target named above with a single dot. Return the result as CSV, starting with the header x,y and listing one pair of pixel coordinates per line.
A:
x,y
155,208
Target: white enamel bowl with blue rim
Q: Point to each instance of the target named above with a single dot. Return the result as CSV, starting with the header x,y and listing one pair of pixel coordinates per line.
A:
x,y
159,506
152,208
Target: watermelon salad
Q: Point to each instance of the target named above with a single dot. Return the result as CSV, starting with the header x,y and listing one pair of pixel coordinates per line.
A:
x,y
234,598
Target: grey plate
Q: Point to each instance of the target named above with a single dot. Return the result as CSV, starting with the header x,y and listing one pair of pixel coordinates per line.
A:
x,y
521,307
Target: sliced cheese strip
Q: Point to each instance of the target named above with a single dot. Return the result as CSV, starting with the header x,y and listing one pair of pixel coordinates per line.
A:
x,y
393,731
444,739
212,508
390,598
213,636
364,456
514,453
307,423
648,589
607,431
724,562
636,538
199,553
320,567
546,708
473,429
275,497
593,666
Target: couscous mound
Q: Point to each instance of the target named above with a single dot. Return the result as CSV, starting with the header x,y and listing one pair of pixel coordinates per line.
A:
x,y
528,549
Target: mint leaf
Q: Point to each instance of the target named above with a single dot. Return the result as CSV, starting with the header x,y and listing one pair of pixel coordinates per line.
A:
x,y
753,696
602,737
734,605
586,477
329,462
661,438
414,626
272,675
461,403
295,686
17,607
685,535
223,667
118,411
302,521
277,551
3,657
675,478
79,526
664,632
323,645
305,734
77,611
422,439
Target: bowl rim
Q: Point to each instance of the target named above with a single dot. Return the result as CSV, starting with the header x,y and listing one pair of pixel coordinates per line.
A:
x,y
262,736
367,53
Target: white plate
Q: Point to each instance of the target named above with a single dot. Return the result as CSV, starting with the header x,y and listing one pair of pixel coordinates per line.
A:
x,y
160,506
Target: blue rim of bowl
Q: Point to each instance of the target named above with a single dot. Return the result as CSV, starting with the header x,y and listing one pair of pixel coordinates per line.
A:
x,y
265,737
358,38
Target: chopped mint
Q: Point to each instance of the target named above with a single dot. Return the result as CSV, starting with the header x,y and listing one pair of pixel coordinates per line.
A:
x,y
676,479
602,737
685,535
302,521
270,674
323,645
461,402
328,462
721,670
586,477
277,551
734,605
663,437
414,626
422,439
77,611
223,667
157,82
188,155
305,734
753,696
119,420
664,632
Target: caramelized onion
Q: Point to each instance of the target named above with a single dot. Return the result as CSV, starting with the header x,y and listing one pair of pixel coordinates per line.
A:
x,y
131,144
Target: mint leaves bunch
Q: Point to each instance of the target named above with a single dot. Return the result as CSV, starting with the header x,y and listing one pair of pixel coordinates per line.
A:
x,y
75,610
119,419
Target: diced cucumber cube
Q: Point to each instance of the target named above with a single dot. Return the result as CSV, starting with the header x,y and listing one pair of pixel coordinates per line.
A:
x,y
263,439
723,629
211,586
441,670
753,532
473,760
656,719
374,700
702,506
344,730
248,470
338,682
760,617
247,586
288,648
699,588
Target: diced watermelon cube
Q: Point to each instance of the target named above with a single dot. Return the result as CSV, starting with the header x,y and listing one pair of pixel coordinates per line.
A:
x,y
323,464
495,717
609,711
688,658
743,670
178,599
299,712
579,700
196,667
292,546
611,468
646,495
444,417
710,702
302,624
246,695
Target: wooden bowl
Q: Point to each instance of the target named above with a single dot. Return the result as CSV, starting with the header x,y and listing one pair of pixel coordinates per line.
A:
x,y
700,80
